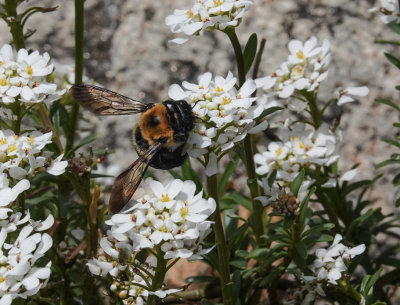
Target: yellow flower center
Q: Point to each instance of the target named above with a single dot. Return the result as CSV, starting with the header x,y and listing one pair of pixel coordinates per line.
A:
x,y
219,89
279,151
2,279
16,137
12,148
190,14
226,100
218,2
165,198
301,145
201,87
163,229
3,140
1,63
30,140
184,212
3,82
298,70
300,54
29,69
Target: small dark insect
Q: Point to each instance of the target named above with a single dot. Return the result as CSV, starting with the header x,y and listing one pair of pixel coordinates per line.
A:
x,y
159,136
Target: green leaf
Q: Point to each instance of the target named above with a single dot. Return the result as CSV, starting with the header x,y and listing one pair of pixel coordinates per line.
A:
x,y
296,183
369,281
227,174
188,173
268,111
86,140
238,264
301,249
175,174
393,60
238,198
392,42
237,237
394,26
249,52
387,102
201,279
387,162
391,141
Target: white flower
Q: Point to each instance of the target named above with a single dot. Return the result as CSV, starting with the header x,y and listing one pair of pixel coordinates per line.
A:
x,y
227,114
206,16
389,10
344,95
25,77
57,167
299,148
20,277
330,263
305,68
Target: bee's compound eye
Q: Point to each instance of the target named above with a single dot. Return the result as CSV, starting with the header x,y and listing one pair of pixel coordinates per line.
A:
x,y
154,120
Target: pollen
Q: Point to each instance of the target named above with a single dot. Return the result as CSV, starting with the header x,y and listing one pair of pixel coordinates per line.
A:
x,y
12,148
298,70
190,14
30,140
201,87
218,2
3,82
165,198
2,279
279,151
1,63
184,212
301,145
29,69
219,89
163,229
300,54
3,140
226,100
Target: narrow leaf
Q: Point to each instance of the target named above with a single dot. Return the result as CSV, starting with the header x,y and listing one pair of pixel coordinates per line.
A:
x,y
387,102
296,183
393,60
250,51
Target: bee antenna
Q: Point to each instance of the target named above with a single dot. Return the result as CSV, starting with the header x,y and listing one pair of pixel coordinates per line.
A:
x,y
205,122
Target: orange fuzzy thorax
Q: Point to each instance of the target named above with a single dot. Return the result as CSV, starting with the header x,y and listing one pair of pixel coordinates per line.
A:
x,y
153,133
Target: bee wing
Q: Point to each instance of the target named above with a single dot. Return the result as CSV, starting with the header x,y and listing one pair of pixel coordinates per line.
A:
x,y
101,101
127,182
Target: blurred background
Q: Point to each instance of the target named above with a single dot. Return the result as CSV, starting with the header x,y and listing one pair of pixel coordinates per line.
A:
x,y
126,50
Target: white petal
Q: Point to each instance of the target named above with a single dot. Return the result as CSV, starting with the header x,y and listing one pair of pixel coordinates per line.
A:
x,y
349,175
176,93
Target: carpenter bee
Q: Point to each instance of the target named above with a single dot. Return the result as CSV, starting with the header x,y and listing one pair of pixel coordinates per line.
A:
x,y
159,136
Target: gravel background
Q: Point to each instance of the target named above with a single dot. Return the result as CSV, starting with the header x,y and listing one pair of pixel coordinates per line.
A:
x,y
126,50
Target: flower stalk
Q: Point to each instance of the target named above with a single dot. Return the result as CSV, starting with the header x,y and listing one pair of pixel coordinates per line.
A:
x,y
79,36
222,247
14,24
248,146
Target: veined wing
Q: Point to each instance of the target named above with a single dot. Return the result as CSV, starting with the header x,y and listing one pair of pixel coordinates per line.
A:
x,y
102,101
128,181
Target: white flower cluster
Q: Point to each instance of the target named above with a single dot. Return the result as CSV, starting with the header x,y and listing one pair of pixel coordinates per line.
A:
x,y
24,77
138,288
17,152
305,68
19,277
227,114
298,149
205,16
173,219
328,267
280,198
389,9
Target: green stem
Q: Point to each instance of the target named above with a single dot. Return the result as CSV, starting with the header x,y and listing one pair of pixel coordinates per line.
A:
x,y
159,276
16,124
316,115
79,37
14,24
238,53
222,247
248,146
